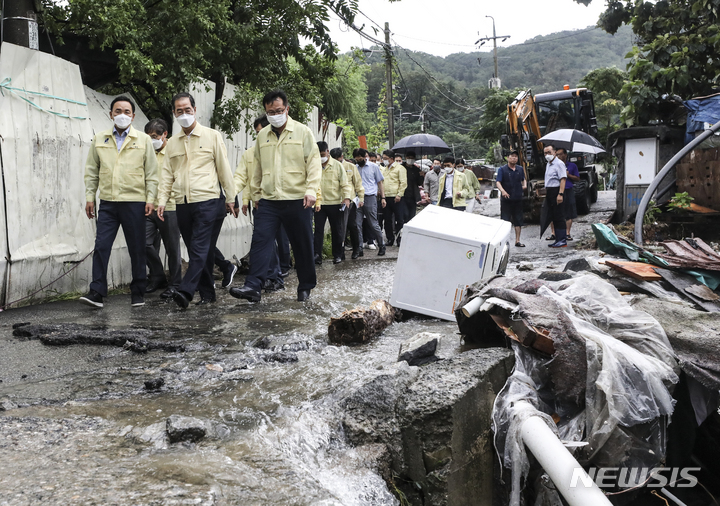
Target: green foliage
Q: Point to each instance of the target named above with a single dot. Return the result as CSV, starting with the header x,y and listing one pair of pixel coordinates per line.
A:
x,y
344,95
606,83
350,139
163,46
651,214
678,43
493,120
680,202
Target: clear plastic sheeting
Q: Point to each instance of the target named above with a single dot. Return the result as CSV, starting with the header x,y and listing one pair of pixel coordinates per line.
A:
x,y
627,405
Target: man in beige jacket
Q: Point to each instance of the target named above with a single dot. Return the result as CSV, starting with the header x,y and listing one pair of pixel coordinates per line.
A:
x,y
121,164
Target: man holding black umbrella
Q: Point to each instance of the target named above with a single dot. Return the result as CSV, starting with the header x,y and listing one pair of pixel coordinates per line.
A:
x,y
555,177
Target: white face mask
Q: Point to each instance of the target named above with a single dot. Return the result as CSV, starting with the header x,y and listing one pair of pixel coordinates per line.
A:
x,y
278,120
410,160
549,158
186,120
460,169
122,121
449,170
386,162
157,144
323,159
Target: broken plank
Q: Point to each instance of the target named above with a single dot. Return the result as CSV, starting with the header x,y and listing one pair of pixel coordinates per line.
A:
x,y
637,270
680,282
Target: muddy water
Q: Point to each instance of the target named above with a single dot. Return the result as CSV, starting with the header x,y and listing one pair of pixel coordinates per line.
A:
x,y
87,431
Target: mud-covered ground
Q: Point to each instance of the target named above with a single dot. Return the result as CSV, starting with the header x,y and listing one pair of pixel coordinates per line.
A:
x,y
79,425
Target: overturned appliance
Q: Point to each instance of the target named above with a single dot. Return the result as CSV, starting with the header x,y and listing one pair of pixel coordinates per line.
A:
x,y
442,252
596,371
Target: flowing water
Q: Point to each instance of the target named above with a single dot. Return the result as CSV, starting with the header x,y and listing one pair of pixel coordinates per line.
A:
x,y
87,431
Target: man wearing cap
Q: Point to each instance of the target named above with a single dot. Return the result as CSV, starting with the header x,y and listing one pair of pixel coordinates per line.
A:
x,y
511,183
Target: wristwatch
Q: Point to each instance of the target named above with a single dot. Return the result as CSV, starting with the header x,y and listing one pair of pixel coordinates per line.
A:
x,y
561,194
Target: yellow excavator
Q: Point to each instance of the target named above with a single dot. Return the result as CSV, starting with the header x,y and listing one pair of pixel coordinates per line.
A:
x,y
529,117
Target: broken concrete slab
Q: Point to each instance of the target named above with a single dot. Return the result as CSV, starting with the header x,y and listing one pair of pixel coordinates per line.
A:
x,y
420,349
555,276
435,425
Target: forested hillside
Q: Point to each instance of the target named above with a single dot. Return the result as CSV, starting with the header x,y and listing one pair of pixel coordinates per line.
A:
x,y
450,91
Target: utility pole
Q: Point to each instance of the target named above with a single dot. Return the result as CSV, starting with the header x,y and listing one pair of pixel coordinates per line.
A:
x,y
19,23
495,81
388,88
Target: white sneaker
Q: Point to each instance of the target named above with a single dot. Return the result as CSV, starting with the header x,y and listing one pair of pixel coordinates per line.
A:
x,y
371,246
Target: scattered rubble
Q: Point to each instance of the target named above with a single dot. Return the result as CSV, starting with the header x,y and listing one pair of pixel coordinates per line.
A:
x,y
184,428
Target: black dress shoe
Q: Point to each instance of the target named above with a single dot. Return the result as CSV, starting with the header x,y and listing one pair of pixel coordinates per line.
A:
x,y
202,302
337,260
381,251
303,295
273,285
246,293
155,285
360,253
355,254
168,294
318,260
285,274
389,243
181,299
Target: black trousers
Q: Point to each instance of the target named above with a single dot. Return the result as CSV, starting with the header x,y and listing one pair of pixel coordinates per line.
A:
x,y
168,230
351,226
200,224
555,212
410,208
283,249
111,216
297,221
333,214
394,215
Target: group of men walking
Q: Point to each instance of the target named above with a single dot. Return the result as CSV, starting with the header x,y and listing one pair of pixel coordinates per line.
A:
x,y
162,188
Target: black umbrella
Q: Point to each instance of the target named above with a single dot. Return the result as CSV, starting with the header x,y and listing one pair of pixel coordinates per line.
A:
x,y
421,144
573,140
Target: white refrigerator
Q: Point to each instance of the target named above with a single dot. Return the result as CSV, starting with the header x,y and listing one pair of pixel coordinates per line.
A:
x,y
443,251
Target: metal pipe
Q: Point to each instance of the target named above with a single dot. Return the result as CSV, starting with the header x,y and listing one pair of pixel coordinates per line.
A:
x,y
560,465
661,175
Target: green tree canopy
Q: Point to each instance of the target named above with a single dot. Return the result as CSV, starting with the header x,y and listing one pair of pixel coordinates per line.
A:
x,y
606,84
677,46
162,46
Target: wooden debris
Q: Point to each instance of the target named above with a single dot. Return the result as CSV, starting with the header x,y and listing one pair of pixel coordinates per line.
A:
x,y
683,254
637,270
525,334
703,292
359,325
702,209
680,282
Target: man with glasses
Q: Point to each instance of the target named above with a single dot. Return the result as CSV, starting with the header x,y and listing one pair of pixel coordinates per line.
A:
x,y
194,168
285,181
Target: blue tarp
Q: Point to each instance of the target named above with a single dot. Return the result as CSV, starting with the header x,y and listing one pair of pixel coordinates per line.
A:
x,y
705,110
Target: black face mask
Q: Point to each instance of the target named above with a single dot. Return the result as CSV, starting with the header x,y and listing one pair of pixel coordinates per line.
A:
x,y
361,163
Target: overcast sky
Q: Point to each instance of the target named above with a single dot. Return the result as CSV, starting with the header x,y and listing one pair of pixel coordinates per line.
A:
x,y
451,26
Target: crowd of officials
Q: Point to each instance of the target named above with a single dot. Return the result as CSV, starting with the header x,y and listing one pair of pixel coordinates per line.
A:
x,y
161,188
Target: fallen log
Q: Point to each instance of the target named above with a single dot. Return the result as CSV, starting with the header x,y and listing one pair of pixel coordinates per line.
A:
x,y
359,325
